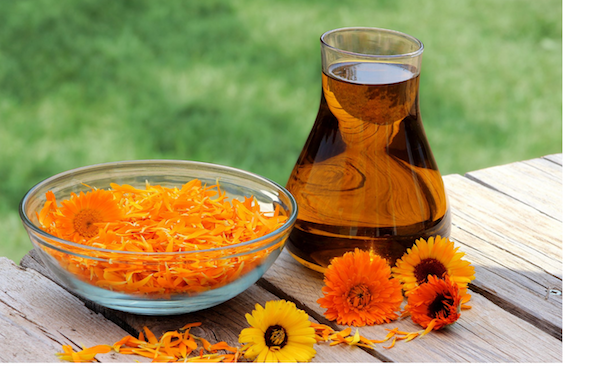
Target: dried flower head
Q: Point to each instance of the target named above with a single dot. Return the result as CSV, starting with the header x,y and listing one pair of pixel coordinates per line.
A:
x,y
434,304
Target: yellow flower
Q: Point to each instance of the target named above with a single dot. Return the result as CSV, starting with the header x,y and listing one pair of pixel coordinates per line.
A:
x,y
279,332
359,290
437,257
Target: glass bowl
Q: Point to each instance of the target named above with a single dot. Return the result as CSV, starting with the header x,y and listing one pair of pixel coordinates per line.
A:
x,y
206,277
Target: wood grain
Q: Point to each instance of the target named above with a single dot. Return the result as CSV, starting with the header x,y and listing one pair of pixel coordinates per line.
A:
x,y
516,286
513,239
555,158
37,317
537,183
501,220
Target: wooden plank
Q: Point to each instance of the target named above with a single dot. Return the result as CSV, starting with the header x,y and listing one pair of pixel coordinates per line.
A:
x,y
537,183
555,158
514,286
219,323
485,333
37,317
509,224
549,166
518,266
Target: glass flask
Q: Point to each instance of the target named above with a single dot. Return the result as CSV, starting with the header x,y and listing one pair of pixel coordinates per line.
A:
x,y
366,177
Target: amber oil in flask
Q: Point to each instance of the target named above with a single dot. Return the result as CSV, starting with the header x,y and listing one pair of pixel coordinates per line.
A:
x,y
366,177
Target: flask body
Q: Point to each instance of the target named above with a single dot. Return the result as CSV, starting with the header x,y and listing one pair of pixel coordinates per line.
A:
x,y
366,177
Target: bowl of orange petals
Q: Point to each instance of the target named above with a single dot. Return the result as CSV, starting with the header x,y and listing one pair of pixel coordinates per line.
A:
x,y
158,237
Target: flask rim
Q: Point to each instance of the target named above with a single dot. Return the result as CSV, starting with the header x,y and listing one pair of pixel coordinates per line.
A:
x,y
410,54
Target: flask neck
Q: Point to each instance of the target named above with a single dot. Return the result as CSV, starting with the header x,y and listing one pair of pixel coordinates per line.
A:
x,y
370,45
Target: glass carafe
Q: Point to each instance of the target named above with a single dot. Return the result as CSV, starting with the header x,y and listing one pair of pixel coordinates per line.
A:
x,y
366,177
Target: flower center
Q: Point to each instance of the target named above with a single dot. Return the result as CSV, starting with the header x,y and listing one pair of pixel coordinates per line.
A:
x,y
440,307
359,296
275,336
428,267
84,220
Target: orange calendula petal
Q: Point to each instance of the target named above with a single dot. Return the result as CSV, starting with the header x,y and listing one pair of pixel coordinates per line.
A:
x,y
151,338
183,350
392,344
98,349
205,344
224,346
345,332
123,341
126,351
355,339
167,343
190,325
429,327
368,342
411,336
143,353
84,355
191,344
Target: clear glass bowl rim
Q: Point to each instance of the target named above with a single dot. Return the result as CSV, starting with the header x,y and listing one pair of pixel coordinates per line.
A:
x,y
266,238
415,53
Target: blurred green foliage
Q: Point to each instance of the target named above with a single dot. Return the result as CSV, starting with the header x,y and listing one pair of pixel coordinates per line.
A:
x,y
238,83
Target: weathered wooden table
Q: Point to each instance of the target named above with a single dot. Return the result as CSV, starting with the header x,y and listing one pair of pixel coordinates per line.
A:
x,y
507,219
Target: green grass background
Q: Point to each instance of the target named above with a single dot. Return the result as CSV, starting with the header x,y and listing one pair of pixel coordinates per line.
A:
x,y
238,83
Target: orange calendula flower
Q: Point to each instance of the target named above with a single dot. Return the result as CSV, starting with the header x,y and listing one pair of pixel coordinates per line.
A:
x,y
78,218
434,304
438,257
359,290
